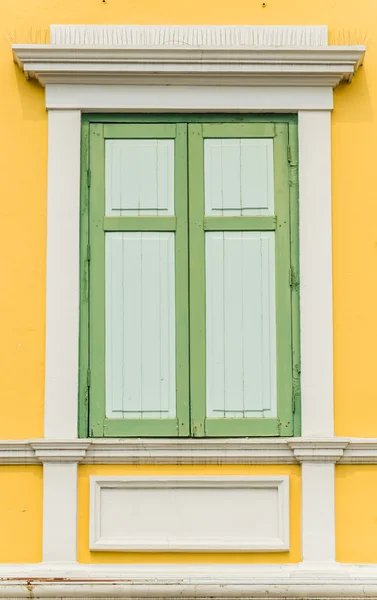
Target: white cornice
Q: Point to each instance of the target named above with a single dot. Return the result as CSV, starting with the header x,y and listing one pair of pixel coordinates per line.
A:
x,y
215,581
190,451
223,56
189,35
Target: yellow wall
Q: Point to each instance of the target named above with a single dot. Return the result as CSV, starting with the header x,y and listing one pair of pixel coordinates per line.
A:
x,y
20,514
356,513
23,192
294,555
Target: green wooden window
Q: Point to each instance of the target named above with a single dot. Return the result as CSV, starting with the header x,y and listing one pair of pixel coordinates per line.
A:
x,y
189,277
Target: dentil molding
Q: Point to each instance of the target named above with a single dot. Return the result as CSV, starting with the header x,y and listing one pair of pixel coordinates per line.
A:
x,y
181,55
191,451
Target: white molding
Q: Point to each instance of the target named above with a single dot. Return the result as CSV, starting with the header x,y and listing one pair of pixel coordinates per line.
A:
x,y
190,451
314,450
55,451
59,511
244,451
215,531
213,581
188,35
62,286
190,66
316,306
318,512
179,98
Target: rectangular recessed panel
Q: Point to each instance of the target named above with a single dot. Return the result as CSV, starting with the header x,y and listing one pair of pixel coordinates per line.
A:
x,y
197,513
140,325
241,324
239,177
139,177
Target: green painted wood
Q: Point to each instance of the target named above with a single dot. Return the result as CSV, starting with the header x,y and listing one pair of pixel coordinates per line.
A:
x,y
139,223
242,427
283,424
189,118
283,290
295,266
141,428
286,227
197,280
256,223
133,131
243,130
97,281
182,281
99,425
83,396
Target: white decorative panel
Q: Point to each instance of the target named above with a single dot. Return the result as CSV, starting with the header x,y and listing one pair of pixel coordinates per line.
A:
x,y
139,177
241,324
229,514
140,325
239,178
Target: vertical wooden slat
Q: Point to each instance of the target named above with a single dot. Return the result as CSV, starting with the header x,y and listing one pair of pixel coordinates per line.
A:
x,y
283,290
140,320
97,281
241,332
197,281
182,279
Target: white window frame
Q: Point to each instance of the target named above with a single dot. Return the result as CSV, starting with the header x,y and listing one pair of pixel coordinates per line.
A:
x,y
189,69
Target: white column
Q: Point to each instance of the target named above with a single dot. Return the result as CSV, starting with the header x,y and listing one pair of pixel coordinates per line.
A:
x,y
62,293
316,273
318,512
59,512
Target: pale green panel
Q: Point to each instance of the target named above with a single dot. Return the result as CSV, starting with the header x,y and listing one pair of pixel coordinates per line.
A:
x,y
139,177
140,325
239,177
241,324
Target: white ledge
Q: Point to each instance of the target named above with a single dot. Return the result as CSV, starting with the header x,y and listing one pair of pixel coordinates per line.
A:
x,y
191,451
189,56
304,580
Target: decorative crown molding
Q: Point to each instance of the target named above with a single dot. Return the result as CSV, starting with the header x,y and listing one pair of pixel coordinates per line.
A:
x,y
188,35
238,56
191,451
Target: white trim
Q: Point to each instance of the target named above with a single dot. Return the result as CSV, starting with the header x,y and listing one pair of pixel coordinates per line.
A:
x,y
179,98
230,78
188,35
59,512
318,511
181,65
244,451
62,286
217,581
316,311
105,512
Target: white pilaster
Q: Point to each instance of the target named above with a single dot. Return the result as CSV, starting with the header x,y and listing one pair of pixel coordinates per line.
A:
x,y
59,499
62,294
59,512
314,133
318,512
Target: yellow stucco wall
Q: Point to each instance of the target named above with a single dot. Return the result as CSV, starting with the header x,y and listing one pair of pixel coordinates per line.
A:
x,y
85,556
23,160
23,192
20,514
356,513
